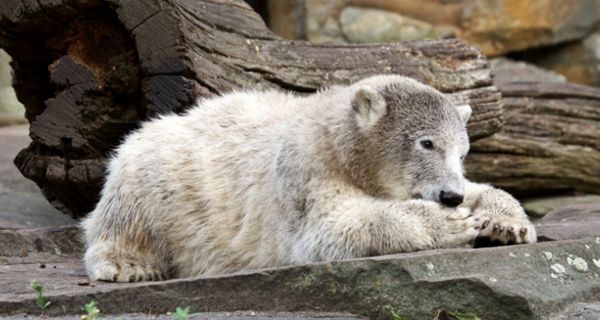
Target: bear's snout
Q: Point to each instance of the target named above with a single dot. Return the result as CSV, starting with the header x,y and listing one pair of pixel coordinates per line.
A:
x,y
450,199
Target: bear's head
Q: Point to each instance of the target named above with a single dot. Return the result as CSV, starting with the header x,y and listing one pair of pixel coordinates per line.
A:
x,y
413,137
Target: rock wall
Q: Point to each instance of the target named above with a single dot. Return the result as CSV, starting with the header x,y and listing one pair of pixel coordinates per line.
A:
x,y
558,35
579,60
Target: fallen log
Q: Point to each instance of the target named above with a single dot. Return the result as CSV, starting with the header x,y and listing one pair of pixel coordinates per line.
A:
x,y
89,71
550,141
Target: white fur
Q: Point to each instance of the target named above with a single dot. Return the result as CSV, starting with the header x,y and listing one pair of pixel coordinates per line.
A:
x,y
464,110
217,190
369,105
454,165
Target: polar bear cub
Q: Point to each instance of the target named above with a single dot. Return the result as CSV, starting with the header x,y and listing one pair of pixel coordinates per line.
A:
x,y
256,179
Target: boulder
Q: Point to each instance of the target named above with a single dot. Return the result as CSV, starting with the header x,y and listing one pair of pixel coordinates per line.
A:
x,y
507,70
576,221
578,61
502,26
497,27
319,20
538,207
371,25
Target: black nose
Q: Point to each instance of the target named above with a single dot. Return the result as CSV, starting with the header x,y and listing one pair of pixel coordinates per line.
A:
x,y
450,199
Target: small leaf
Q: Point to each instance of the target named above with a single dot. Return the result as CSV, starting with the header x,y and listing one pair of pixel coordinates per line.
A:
x,y
397,316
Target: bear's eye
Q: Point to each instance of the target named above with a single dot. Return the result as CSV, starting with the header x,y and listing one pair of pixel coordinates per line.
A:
x,y
427,144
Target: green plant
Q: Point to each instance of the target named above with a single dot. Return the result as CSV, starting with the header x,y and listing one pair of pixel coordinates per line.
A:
x,y
182,313
396,316
41,300
91,311
445,314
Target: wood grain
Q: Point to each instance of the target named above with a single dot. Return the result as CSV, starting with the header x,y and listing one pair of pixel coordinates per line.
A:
x,y
90,71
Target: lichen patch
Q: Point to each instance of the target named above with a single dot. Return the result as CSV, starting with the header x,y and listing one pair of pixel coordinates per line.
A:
x,y
580,264
558,268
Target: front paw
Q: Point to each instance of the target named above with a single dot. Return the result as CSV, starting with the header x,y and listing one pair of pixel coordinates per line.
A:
x,y
455,228
503,219
508,230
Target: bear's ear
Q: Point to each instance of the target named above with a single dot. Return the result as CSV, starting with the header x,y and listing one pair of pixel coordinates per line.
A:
x,y
464,111
369,106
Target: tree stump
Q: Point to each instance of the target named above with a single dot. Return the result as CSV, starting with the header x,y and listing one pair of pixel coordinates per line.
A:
x,y
89,71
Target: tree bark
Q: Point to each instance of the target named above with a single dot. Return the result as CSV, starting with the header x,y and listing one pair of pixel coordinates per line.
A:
x,y
550,141
89,71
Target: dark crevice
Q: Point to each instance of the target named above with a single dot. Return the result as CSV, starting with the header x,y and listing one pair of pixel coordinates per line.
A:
x,y
261,7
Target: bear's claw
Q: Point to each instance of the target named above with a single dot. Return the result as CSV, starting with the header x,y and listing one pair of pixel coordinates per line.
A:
x,y
126,272
505,231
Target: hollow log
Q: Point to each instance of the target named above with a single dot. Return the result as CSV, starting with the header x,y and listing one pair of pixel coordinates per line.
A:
x,y
89,71
550,141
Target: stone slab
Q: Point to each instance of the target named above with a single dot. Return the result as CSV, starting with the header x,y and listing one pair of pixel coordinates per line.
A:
x,y
535,281
538,207
576,221
580,311
211,316
61,241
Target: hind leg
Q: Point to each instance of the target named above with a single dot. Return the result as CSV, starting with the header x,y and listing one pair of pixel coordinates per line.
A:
x,y
111,261
118,253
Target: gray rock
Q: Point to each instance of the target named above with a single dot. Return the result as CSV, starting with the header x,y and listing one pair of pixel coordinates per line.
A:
x,y
506,71
62,241
248,315
372,25
496,27
578,61
502,26
321,25
580,311
539,207
537,281
577,221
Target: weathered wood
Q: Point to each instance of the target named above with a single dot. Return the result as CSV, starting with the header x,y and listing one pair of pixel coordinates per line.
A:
x,y
550,141
89,71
